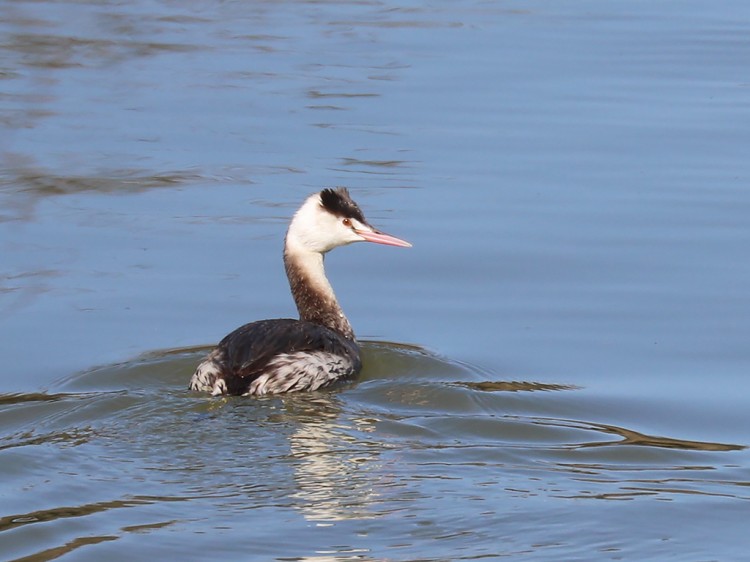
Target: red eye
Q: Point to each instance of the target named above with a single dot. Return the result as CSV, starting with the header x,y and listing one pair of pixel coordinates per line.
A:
x,y
347,222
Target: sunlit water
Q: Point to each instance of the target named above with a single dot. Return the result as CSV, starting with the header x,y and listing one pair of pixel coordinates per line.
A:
x,y
570,378
420,455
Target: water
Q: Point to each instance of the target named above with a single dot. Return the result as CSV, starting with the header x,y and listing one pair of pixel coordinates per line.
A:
x,y
557,370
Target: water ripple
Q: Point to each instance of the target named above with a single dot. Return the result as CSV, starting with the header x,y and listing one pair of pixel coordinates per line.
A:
x,y
417,432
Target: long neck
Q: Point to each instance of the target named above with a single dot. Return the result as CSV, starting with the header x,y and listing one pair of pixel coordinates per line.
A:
x,y
312,292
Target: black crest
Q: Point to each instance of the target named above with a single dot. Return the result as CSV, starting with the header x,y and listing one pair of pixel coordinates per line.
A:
x,y
338,202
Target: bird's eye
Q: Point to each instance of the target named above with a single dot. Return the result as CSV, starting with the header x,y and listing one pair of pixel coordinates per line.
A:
x,y
347,222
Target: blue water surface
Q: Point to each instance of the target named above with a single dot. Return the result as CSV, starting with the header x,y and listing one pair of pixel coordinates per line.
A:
x,y
557,370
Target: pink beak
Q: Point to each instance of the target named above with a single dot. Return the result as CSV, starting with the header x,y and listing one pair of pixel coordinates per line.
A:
x,y
382,238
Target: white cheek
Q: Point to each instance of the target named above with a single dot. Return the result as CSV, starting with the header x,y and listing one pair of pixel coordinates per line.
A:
x,y
340,235
332,232
313,229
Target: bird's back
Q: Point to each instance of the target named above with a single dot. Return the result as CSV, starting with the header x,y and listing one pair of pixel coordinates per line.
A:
x,y
274,356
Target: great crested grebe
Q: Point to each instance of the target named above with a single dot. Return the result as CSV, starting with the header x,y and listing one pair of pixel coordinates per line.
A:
x,y
286,355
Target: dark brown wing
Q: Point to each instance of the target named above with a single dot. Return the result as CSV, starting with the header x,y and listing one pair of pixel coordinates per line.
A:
x,y
245,353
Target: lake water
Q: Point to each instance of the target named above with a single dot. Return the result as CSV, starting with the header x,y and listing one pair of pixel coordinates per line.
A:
x,y
557,370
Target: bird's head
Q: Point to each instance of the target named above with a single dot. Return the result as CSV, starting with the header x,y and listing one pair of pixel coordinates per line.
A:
x,y
331,218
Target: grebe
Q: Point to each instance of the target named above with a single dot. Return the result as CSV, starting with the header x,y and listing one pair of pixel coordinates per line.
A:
x,y
285,355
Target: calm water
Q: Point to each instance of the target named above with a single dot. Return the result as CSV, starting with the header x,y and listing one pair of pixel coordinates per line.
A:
x,y
557,370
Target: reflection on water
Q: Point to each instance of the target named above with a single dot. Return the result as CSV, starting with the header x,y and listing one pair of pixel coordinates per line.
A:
x,y
36,41
22,187
408,433
38,183
59,551
573,177
514,386
43,516
634,438
329,453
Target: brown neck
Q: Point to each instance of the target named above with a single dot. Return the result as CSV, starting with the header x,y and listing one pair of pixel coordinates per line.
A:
x,y
312,292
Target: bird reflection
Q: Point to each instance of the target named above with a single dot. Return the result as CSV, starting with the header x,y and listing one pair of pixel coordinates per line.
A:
x,y
329,449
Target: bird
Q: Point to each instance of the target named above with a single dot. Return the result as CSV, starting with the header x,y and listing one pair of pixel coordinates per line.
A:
x,y
283,355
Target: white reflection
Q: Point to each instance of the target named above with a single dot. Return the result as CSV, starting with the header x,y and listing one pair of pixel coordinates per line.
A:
x,y
335,468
